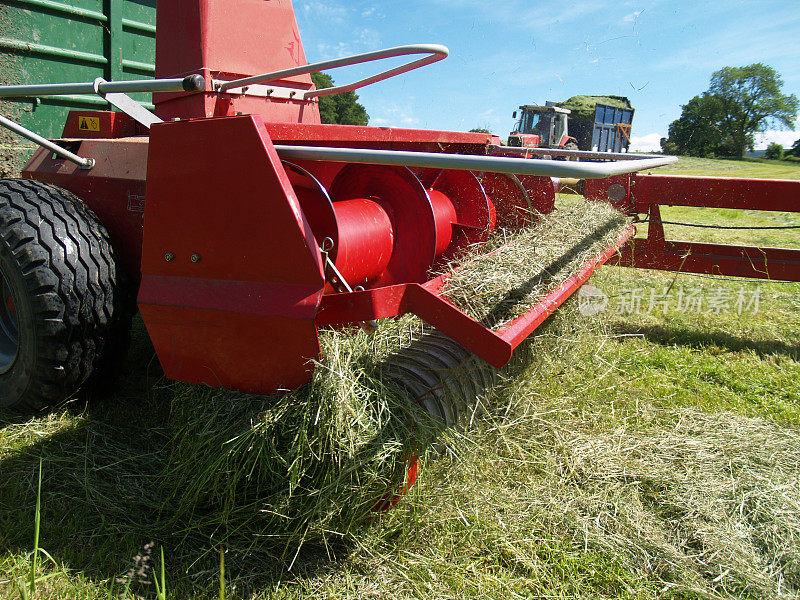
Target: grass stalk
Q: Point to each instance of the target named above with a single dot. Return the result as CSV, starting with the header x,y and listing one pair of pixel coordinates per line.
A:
x,y
160,579
36,527
221,573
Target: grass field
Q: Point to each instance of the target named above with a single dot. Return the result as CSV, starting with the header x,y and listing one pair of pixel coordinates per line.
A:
x,y
649,451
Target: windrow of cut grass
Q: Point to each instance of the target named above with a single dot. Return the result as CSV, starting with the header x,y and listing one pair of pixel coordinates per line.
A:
x,y
505,283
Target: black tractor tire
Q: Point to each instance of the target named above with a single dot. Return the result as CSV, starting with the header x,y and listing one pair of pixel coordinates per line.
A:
x,y
63,304
571,146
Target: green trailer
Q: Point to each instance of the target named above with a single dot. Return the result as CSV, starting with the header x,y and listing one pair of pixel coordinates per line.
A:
x,y
66,41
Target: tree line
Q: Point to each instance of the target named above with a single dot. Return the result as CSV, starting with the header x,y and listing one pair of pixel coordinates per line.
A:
x,y
341,109
723,120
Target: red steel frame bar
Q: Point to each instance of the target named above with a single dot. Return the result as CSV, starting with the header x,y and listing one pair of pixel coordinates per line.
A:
x,y
644,194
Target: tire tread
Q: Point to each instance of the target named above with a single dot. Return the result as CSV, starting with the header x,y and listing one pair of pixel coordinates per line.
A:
x,y
75,287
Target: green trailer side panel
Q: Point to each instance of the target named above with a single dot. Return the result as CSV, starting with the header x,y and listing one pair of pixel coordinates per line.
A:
x,y
61,41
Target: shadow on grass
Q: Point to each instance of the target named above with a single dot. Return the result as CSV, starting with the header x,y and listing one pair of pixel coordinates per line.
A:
x,y
684,336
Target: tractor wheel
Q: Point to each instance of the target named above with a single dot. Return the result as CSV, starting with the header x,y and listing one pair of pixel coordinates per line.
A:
x,y
61,296
571,146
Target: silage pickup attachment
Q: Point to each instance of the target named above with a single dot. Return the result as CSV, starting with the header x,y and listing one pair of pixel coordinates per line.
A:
x,y
243,224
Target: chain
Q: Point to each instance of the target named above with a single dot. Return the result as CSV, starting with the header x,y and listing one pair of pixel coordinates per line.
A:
x,y
748,227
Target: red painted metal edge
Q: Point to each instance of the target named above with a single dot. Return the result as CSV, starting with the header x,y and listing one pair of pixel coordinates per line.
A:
x,y
779,264
715,192
458,326
521,327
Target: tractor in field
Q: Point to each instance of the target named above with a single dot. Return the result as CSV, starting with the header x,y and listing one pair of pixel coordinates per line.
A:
x,y
237,224
588,123
542,127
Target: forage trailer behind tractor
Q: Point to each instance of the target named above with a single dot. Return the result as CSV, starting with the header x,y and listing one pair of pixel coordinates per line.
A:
x,y
239,225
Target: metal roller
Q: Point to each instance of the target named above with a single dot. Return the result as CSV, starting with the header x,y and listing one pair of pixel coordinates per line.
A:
x,y
442,376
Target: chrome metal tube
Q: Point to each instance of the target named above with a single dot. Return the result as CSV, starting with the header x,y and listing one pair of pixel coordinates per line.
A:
x,y
437,52
588,154
466,162
192,83
83,163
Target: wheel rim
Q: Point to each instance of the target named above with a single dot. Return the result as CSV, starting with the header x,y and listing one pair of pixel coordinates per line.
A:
x,y
9,326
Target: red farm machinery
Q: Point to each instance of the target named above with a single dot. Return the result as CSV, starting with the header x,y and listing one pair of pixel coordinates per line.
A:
x,y
238,225
542,127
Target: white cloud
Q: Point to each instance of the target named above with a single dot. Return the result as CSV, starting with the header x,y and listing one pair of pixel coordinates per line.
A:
x,y
394,115
364,40
784,138
329,11
646,143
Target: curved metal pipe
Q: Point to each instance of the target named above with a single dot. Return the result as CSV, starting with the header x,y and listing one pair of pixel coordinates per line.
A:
x,y
437,52
466,162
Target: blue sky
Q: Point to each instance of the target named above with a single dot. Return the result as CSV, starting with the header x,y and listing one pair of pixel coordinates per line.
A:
x,y
506,53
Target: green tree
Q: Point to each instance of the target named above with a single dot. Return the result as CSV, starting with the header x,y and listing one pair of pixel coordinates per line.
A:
x,y
795,151
341,109
774,151
479,130
696,132
739,102
752,99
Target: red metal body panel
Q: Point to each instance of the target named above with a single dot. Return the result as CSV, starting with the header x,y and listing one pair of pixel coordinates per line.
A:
x,y
384,138
638,194
221,39
240,314
779,264
715,192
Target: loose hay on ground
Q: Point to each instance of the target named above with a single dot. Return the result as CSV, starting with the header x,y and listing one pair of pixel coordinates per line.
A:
x,y
306,465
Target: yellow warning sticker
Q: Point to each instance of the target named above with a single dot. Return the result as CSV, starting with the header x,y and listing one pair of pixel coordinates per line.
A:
x,y
89,123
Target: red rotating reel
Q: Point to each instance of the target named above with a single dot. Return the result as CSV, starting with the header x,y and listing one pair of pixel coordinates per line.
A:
x,y
388,225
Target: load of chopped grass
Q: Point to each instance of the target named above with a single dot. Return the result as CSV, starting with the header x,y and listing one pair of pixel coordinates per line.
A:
x,y
498,286
581,119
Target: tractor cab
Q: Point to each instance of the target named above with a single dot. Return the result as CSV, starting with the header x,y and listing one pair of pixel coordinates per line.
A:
x,y
541,127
